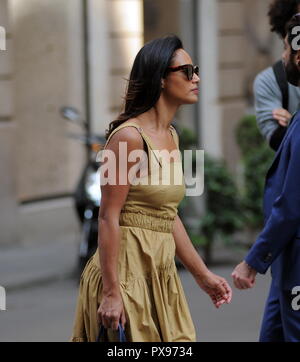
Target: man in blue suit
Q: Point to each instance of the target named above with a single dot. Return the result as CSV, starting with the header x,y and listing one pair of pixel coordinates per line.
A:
x,y
278,245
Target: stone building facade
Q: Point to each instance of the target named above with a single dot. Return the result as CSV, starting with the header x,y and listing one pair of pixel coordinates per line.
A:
x,y
60,51
8,169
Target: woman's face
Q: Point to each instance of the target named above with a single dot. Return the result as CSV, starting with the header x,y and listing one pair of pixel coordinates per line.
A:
x,y
177,87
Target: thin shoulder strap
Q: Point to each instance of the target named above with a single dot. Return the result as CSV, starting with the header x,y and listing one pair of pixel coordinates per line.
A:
x,y
151,145
175,135
128,124
147,139
98,156
281,79
112,133
142,133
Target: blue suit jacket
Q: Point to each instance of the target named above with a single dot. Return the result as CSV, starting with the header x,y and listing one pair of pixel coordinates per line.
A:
x,y
279,242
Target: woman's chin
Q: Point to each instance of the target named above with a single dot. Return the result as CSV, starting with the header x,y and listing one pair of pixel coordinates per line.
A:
x,y
192,100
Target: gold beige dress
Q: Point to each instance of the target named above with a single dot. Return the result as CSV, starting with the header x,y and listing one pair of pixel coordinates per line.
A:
x,y
155,305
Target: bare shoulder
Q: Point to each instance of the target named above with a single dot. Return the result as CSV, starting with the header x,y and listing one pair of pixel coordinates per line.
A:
x,y
130,135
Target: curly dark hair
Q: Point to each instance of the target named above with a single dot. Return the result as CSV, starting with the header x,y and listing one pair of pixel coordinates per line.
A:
x,y
280,12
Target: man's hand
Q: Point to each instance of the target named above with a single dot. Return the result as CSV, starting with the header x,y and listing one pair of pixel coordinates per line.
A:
x,y
282,116
244,276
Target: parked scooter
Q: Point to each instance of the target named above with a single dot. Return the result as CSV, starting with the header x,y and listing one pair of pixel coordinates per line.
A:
x,y
87,195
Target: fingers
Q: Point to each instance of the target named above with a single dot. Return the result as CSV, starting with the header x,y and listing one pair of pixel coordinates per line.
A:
x,y
106,320
217,288
99,319
282,112
252,281
242,282
283,122
216,300
219,301
282,116
225,292
111,319
222,293
243,276
115,319
229,292
221,289
123,319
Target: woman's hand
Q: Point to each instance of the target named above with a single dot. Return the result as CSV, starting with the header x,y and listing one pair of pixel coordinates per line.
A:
x,y
216,287
111,311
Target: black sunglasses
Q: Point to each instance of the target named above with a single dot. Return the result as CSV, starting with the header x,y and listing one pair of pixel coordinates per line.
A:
x,y
188,70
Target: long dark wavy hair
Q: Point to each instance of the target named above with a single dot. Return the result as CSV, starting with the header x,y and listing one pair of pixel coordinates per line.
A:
x,y
144,84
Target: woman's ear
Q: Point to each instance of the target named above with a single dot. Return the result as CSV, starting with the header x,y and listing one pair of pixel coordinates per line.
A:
x,y
162,84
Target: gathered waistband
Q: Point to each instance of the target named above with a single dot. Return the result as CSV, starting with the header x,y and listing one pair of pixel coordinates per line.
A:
x,y
151,222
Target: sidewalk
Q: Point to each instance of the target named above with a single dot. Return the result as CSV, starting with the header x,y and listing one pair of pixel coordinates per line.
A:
x,y
26,265
23,266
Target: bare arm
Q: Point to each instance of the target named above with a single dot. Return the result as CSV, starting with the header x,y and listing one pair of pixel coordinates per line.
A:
x,y
216,287
186,252
113,199
108,241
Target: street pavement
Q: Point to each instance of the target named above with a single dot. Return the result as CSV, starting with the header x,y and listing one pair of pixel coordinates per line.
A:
x,y
238,321
41,298
23,266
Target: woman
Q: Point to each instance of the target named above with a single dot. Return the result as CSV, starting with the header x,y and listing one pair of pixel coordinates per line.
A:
x,y
132,278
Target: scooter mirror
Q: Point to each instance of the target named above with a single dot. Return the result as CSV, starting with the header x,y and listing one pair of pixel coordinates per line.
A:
x,y
70,113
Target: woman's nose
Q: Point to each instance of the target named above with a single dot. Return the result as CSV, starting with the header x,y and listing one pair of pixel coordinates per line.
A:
x,y
196,78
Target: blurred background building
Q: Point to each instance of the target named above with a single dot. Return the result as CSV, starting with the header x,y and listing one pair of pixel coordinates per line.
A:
x,y
79,52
